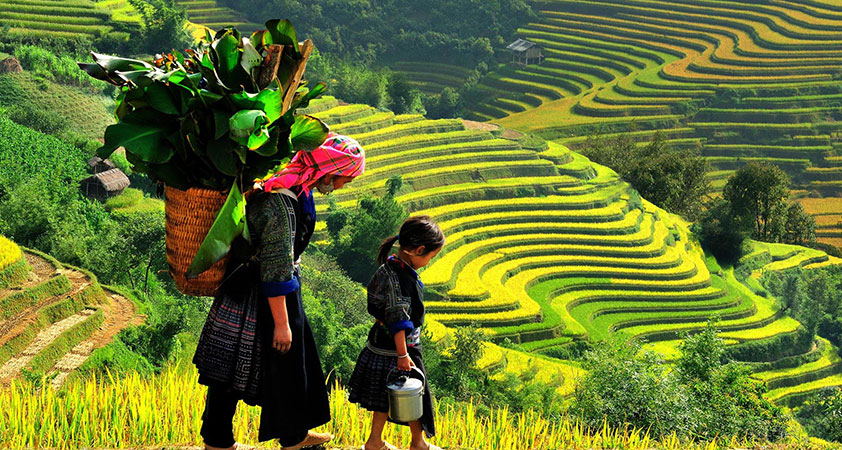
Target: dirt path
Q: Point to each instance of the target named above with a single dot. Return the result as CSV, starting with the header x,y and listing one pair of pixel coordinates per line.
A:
x,y
12,367
15,325
40,270
119,314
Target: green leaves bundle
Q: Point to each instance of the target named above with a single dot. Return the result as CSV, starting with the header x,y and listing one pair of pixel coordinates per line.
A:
x,y
214,117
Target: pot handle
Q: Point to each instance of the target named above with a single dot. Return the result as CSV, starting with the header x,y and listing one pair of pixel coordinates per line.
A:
x,y
414,368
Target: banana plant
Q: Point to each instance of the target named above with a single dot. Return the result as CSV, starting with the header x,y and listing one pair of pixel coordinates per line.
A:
x,y
216,116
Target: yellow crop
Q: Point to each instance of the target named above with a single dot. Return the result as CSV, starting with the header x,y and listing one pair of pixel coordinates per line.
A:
x,y
9,252
167,409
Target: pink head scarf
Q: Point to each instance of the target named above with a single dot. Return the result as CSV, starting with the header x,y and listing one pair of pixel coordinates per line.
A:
x,y
338,155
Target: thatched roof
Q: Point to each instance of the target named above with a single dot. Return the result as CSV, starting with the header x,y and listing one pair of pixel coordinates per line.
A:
x,y
112,180
10,65
98,164
521,45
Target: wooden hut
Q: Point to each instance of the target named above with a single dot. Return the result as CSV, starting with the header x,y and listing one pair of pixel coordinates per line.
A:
x,y
104,185
99,165
526,52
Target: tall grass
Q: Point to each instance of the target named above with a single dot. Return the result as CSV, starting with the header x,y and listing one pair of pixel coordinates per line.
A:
x,y
166,409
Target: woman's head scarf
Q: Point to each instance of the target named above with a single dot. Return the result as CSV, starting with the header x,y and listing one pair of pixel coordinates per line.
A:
x,y
338,155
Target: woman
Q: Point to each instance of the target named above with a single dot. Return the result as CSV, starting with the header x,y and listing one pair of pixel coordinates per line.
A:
x,y
257,345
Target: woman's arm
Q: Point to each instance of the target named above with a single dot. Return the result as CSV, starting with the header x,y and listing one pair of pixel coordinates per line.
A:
x,y
282,337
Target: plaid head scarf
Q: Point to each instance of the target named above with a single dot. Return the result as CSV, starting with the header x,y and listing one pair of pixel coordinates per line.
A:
x,y
338,155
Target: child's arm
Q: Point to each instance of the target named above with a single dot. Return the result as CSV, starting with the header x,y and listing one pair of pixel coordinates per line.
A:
x,y
405,363
282,338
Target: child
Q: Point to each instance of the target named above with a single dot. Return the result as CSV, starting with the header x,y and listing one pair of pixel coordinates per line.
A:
x,y
395,299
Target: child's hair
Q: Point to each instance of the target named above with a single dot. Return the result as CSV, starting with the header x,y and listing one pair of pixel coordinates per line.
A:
x,y
415,232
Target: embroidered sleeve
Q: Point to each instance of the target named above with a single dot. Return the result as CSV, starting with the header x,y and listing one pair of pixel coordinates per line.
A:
x,y
386,303
273,227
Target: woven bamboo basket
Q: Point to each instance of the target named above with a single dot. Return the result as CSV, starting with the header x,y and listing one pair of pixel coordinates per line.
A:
x,y
190,215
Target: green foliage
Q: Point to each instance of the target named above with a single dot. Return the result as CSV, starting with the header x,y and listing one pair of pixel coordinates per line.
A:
x,y
719,233
702,398
59,67
813,297
364,230
757,194
436,30
651,394
822,414
672,179
163,26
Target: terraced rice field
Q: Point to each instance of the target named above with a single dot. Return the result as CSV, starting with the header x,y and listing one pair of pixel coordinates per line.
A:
x,y
85,113
546,248
53,316
68,18
828,215
214,16
431,77
751,82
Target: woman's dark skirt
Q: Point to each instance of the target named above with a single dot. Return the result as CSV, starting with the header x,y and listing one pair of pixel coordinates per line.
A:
x,y
367,385
235,350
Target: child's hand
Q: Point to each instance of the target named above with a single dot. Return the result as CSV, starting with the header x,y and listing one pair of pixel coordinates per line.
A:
x,y
405,364
282,339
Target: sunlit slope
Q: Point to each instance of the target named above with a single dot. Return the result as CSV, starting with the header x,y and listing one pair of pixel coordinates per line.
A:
x,y
215,16
52,316
739,81
545,247
68,18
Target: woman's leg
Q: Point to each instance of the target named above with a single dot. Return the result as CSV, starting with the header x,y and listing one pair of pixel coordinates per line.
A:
x,y
375,439
418,441
217,420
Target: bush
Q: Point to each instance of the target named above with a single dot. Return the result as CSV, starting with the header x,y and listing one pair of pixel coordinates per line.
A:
x,y
651,394
702,398
822,414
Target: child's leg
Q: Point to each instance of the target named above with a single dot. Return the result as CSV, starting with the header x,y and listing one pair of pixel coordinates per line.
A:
x,y
418,441
375,439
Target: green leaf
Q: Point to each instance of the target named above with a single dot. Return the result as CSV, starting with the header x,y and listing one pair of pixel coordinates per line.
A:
x,y
304,100
249,128
115,63
229,223
161,99
220,121
228,68
282,32
143,133
307,133
270,101
221,153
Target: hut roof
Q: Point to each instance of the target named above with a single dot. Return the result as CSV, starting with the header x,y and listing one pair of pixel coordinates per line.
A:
x,y
521,45
112,180
96,160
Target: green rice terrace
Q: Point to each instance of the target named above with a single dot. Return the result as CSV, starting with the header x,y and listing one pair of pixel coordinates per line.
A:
x,y
53,315
546,248
740,81
69,19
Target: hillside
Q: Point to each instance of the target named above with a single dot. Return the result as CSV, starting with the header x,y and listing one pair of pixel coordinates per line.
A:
x,y
53,315
739,81
546,248
68,19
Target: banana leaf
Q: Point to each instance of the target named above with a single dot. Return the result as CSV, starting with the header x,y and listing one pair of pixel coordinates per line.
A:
x,y
229,223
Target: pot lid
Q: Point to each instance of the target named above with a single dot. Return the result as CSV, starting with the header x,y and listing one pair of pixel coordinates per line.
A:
x,y
406,386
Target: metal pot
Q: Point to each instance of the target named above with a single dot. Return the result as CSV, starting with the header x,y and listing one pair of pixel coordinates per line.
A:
x,y
406,397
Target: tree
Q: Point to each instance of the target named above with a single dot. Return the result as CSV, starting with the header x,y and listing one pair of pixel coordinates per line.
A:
x,y
163,26
719,232
800,227
672,179
355,245
757,194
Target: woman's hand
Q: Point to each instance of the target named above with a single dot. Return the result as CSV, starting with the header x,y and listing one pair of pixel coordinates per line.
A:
x,y
405,364
282,339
